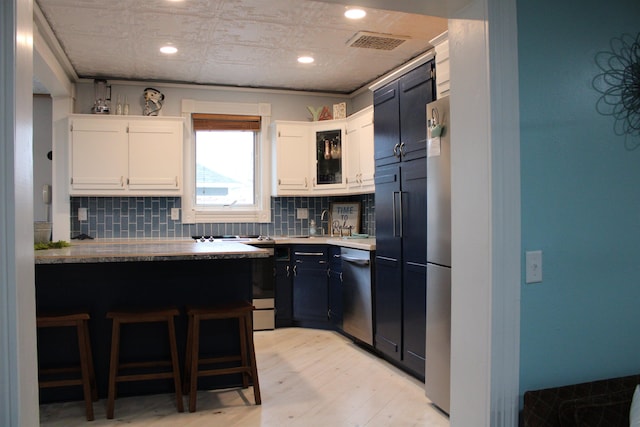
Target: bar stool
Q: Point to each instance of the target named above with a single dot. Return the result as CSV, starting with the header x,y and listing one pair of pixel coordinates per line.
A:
x,y
87,378
247,357
115,366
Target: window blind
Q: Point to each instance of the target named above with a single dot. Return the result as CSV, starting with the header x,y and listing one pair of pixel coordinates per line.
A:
x,y
225,122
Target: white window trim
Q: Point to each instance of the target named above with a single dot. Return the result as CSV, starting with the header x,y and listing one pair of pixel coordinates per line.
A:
x,y
190,212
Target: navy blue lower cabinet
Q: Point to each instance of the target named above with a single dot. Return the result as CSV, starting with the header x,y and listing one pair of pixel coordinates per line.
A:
x,y
388,307
335,287
310,285
414,317
284,291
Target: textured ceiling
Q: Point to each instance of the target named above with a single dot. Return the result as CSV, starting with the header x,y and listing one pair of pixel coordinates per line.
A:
x,y
248,43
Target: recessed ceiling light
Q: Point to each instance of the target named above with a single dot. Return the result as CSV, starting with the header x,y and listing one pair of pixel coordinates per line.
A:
x,y
168,49
305,59
355,13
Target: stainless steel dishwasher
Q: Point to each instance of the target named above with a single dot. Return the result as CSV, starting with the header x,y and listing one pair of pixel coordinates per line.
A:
x,y
356,294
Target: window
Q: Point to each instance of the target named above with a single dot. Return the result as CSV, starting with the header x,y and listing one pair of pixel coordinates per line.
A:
x,y
228,163
219,181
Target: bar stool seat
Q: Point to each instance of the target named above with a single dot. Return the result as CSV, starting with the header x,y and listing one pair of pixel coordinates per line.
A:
x,y
194,364
115,366
58,377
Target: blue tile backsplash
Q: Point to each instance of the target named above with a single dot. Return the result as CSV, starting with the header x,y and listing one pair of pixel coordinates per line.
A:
x,y
150,217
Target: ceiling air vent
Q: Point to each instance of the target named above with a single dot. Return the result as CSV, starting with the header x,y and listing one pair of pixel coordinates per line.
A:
x,y
367,40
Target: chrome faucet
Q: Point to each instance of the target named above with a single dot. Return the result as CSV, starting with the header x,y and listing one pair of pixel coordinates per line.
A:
x,y
322,215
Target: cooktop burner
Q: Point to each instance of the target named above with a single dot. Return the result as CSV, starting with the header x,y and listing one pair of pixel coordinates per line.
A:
x,y
230,237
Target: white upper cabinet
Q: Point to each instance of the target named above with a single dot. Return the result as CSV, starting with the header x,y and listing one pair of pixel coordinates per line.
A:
x,y
99,155
155,155
324,158
359,147
443,84
115,155
291,154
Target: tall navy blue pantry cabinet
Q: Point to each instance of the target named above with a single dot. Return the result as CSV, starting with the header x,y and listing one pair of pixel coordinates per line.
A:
x,y
401,205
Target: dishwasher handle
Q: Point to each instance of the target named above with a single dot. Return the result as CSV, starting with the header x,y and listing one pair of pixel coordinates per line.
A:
x,y
357,261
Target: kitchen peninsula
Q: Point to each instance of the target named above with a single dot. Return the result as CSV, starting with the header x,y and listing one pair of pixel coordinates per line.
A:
x,y
99,277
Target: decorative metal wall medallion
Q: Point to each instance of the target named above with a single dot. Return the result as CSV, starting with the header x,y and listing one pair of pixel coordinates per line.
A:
x,y
619,86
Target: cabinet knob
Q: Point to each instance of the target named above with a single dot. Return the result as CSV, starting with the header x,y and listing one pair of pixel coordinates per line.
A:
x,y
396,152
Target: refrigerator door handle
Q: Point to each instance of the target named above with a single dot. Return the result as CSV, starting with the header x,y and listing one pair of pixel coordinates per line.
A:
x,y
401,216
393,212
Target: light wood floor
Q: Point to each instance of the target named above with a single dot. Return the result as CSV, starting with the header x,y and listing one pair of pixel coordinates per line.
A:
x,y
307,378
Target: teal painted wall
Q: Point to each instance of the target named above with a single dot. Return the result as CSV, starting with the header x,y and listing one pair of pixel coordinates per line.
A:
x,y
580,199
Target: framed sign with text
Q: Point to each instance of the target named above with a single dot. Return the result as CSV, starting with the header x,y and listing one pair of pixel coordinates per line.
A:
x,y
345,218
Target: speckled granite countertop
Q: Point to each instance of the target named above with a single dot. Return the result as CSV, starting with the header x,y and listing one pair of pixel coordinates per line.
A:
x,y
130,251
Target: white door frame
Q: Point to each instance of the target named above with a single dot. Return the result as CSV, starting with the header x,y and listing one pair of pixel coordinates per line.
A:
x,y
18,365
486,220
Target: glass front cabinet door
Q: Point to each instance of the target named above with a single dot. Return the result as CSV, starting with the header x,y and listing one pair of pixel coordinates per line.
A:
x,y
328,157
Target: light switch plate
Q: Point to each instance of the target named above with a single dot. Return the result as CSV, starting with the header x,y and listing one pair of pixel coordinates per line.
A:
x,y
533,260
175,214
302,213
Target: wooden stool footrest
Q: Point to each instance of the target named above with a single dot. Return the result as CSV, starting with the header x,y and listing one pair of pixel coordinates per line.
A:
x,y
223,359
150,364
60,383
224,371
144,377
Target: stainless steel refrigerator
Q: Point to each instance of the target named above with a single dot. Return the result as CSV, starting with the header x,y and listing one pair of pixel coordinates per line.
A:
x,y
438,331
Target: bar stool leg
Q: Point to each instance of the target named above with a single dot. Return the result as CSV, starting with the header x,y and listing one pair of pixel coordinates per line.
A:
x,y
187,364
175,364
92,372
195,349
243,349
252,357
113,367
84,369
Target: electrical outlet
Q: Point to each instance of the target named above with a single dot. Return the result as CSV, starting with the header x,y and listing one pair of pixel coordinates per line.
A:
x,y
82,214
302,213
175,214
533,267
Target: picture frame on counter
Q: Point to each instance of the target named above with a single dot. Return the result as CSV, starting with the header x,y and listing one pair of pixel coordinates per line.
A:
x,y
344,218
